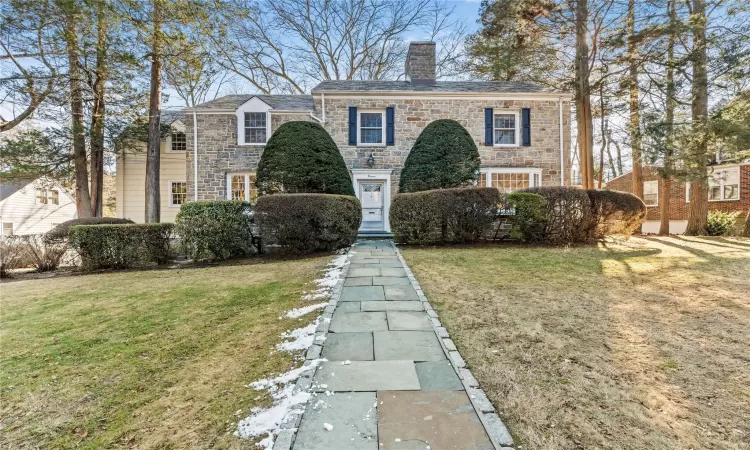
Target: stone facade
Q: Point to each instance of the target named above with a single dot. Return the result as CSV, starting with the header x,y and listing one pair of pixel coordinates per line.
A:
x,y
219,154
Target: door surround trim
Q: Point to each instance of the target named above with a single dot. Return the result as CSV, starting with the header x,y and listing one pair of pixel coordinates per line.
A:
x,y
384,175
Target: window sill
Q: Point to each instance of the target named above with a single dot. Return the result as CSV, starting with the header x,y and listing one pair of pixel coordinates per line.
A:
x,y
249,144
371,145
723,200
508,146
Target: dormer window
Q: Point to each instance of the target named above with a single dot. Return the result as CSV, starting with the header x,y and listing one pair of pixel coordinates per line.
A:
x,y
255,127
253,122
179,143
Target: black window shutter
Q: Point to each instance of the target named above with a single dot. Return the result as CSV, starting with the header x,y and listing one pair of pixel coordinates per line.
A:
x,y
352,125
390,138
526,127
488,119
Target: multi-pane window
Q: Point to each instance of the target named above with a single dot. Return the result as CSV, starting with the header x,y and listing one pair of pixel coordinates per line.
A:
x,y
255,127
651,193
41,196
54,197
179,143
242,187
508,181
7,228
724,184
371,128
505,128
177,193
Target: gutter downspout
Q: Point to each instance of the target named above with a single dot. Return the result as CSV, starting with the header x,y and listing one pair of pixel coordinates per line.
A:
x,y
562,156
195,154
323,107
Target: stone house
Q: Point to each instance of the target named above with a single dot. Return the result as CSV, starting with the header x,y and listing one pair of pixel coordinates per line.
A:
x,y
728,190
522,132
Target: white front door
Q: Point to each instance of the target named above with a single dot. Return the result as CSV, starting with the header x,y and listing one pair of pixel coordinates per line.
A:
x,y
371,197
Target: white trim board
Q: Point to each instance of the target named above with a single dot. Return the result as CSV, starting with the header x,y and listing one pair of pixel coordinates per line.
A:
x,y
365,175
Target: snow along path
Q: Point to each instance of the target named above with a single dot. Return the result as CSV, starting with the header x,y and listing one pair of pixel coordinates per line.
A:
x,y
289,401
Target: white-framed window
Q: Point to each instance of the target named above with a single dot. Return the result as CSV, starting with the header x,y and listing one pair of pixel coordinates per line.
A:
x,y
506,129
651,192
179,142
7,228
53,197
177,193
256,127
510,179
724,184
241,186
41,196
371,127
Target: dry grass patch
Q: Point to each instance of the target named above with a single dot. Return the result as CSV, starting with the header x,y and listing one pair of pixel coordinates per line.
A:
x,y
152,359
628,345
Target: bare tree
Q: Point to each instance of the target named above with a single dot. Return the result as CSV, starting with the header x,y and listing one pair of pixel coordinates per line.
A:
x,y
29,63
193,73
287,45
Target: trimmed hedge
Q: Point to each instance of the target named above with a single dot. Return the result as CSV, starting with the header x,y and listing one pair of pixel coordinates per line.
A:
x,y
530,216
443,156
217,229
443,215
301,157
61,231
616,212
570,218
305,223
121,246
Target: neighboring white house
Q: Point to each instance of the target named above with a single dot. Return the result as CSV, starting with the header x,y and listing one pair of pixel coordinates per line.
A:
x,y
131,174
33,206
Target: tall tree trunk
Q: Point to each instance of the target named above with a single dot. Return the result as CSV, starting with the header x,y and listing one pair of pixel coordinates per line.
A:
x,y
153,200
604,135
97,112
83,198
698,212
634,124
666,181
584,120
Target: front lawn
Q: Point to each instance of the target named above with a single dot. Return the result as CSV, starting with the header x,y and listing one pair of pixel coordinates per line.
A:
x,y
640,344
148,359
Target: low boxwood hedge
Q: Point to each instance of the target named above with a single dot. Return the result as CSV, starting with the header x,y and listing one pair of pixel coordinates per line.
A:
x,y
443,215
214,230
121,246
616,212
305,223
61,231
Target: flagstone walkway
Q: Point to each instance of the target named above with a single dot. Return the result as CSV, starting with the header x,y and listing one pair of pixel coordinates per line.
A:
x,y
390,378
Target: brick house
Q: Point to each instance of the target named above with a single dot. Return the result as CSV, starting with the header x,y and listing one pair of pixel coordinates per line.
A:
x,y
522,132
729,190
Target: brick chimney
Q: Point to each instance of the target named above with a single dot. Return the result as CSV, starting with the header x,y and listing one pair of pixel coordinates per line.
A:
x,y
420,63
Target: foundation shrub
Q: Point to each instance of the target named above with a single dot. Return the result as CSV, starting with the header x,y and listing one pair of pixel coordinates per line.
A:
x,y
61,231
721,223
569,215
529,216
306,223
215,230
121,246
616,212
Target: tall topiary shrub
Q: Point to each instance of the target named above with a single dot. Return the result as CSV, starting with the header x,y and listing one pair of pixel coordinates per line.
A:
x,y
300,158
444,156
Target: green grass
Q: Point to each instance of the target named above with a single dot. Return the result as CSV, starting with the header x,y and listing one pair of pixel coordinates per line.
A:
x,y
623,345
146,359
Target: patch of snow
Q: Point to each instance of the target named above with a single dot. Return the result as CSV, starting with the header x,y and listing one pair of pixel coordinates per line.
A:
x,y
301,338
328,426
299,312
330,278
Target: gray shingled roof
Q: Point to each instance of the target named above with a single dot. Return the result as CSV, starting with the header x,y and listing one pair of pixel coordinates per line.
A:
x,y
280,102
9,187
437,86
168,117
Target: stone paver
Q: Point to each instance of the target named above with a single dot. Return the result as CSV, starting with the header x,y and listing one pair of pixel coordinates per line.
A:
x,y
438,376
366,376
386,382
354,322
391,306
442,420
391,281
408,321
348,346
362,293
358,281
352,416
400,292
408,345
